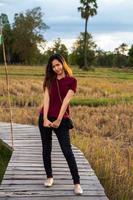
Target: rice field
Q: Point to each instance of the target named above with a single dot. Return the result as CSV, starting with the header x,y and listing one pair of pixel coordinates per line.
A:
x,y
102,111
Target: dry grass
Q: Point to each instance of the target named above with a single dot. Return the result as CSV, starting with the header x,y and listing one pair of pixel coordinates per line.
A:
x,y
115,122
28,92
112,164
103,87
104,134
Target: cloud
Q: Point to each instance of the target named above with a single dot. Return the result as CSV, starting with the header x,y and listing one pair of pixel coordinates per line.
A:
x,y
109,41
114,14
63,19
3,3
104,41
68,43
113,2
111,26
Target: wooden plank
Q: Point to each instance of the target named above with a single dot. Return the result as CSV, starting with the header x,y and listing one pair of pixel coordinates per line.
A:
x,y
54,157
41,187
40,172
35,159
56,198
40,160
42,169
58,181
64,165
28,145
49,193
37,176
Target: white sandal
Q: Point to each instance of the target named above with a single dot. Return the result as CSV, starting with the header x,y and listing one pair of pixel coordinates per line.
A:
x,y
77,189
49,182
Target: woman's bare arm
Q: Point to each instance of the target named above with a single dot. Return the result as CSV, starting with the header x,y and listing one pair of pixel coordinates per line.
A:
x,y
65,104
46,103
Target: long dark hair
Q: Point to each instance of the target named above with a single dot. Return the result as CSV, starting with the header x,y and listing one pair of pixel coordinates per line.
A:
x,y
50,74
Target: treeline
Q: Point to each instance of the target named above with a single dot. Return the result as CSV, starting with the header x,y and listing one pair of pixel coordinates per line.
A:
x,y
25,44
21,38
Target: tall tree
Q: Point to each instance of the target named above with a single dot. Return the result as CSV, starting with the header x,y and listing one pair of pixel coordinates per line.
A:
x,y
58,47
8,37
100,58
120,55
88,9
27,29
122,49
105,59
77,55
130,59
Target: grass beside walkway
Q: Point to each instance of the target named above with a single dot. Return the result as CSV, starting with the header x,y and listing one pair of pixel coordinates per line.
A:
x,y
5,155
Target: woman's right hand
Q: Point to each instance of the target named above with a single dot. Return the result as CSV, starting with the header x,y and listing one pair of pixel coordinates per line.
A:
x,y
47,123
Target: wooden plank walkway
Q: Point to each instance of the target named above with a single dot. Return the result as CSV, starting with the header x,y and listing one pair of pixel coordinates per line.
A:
x,y
25,173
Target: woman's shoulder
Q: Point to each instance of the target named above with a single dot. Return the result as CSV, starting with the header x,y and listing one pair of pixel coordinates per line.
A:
x,y
71,78
72,83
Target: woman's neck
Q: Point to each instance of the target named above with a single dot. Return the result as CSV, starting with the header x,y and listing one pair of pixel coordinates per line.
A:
x,y
60,76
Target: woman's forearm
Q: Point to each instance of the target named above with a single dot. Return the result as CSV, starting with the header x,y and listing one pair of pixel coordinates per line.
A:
x,y
63,109
65,104
45,105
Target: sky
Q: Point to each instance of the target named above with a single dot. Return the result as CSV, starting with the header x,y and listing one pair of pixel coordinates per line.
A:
x,y
112,26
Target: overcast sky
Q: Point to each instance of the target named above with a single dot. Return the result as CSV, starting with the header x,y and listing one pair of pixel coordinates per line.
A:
x,y
112,25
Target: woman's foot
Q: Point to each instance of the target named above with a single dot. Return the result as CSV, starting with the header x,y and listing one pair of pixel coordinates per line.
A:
x,y
49,182
77,189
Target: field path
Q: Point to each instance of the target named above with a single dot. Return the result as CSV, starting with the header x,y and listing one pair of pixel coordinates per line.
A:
x,y
25,173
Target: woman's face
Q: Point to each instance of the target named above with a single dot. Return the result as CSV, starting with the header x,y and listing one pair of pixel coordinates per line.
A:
x,y
57,67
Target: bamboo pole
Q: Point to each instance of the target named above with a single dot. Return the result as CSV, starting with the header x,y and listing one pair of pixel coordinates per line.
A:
x,y
8,90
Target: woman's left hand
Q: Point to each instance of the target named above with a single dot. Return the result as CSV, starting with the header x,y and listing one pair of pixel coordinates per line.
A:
x,y
56,123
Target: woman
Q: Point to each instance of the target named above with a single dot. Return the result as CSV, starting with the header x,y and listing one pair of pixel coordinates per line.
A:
x,y
54,114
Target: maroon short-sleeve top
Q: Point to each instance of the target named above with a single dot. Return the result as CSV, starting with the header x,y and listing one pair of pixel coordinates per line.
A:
x,y
66,83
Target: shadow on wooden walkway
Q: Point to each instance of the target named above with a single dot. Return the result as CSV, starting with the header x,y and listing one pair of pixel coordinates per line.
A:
x,y
25,173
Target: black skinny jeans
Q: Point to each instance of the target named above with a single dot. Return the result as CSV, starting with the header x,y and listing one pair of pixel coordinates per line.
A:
x,y
62,133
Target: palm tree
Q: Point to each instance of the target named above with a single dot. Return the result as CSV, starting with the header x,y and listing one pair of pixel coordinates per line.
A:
x,y
89,9
122,49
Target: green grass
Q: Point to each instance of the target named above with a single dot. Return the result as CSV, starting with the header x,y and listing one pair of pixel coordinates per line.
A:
x,y
101,101
5,155
38,71
18,102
